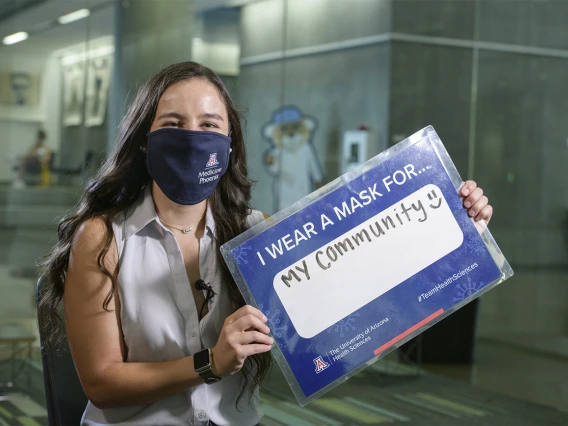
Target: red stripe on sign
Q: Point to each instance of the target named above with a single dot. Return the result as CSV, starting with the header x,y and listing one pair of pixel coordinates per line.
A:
x,y
410,330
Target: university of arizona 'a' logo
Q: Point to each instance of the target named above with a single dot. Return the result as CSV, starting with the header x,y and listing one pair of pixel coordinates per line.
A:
x,y
212,160
320,364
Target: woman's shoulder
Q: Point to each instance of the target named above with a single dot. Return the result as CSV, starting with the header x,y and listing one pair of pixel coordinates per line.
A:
x,y
255,217
90,238
92,230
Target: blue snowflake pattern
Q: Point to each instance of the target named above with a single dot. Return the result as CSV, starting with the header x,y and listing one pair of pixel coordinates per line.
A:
x,y
474,246
274,323
345,325
467,289
240,254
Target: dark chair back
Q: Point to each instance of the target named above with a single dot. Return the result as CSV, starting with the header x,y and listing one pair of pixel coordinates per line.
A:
x,y
74,171
88,159
64,395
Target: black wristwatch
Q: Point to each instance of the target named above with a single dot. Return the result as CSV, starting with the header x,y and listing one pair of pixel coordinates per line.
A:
x,y
202,366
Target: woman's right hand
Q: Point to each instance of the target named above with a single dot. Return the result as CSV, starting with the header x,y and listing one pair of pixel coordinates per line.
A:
x,y
244,333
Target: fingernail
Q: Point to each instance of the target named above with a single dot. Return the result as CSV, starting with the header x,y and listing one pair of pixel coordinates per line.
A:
x,y
465,191
265,319
471,213
271,340
467,204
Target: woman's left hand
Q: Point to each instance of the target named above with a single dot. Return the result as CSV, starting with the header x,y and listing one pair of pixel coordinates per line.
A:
x,y
476,204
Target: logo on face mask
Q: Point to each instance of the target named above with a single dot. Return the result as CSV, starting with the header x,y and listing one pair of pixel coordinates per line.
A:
x,y
212,160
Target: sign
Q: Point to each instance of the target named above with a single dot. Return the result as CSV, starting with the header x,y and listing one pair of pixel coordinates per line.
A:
x,y
354,149
359,267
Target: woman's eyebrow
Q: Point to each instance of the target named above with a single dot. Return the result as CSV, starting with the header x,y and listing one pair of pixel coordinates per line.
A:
x,y
172,115
211,115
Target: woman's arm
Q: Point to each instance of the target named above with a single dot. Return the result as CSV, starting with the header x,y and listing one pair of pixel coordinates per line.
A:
x,y
95,335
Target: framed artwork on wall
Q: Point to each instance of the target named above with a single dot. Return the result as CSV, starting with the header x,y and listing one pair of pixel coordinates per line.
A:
x,y
98,83
73,93
19,88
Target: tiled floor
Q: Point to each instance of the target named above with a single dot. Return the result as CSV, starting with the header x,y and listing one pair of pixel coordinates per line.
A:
x,y
511,371
394,396
19,409
523,375
385,393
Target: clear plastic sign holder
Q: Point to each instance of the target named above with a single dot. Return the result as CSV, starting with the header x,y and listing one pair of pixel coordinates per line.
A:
x,y
359,267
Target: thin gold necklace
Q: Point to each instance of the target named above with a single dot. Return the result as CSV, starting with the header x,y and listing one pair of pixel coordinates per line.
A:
x,y
185,230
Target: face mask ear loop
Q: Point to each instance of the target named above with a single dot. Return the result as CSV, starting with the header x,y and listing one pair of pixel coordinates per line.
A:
x,y
143,147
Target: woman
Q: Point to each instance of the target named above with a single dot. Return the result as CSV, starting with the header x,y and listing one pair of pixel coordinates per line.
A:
x,y
146,293
35,163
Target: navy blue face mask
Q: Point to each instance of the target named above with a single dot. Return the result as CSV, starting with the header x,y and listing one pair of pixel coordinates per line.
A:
x,y
187,164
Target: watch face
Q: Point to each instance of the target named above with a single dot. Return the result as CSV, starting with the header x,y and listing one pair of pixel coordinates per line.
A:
x,y
212,380
201,359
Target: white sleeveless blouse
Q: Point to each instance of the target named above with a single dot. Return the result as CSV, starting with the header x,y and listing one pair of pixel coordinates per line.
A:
x,y
160,322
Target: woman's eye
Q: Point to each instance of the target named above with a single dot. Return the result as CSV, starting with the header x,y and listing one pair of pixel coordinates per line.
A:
x,y
209,125
171,124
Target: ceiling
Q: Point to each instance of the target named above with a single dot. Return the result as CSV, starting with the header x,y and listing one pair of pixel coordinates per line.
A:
x,y
46,35
12,7
38,18
206,5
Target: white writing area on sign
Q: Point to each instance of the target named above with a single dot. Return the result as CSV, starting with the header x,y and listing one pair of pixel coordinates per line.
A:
x,y
368,260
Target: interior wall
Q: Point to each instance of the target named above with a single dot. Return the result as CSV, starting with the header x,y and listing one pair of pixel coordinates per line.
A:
x,y
149,36
513,104
519,144
534,23
310,82
521,156
517,102
431,85
521,153
19,124
216,41
436,18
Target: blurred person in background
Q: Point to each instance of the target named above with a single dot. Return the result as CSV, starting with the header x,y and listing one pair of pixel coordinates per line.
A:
x,y
35,164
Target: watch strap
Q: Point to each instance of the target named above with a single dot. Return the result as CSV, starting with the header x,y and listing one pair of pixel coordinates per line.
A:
x,y
205,371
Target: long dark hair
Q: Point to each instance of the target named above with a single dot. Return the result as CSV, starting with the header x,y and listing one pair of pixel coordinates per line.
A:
x,y
120,182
